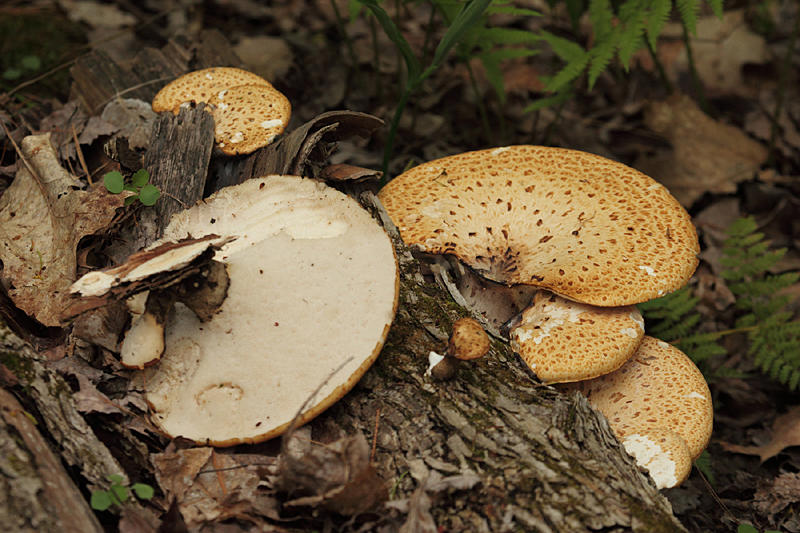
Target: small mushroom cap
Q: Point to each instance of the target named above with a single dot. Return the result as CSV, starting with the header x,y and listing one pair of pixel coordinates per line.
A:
x,y
658,388
663,454
580,225
468,340
201,86
564,341
248,117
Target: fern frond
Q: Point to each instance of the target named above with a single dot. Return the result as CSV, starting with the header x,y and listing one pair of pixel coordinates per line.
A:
x,y
657,17
600,56
601,16
716,7
688,10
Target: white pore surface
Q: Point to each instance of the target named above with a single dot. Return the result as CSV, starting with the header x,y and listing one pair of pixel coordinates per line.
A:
x,y
313,284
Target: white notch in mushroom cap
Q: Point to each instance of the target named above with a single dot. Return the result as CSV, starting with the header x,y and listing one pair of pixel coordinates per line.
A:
x,y
313,288
564,341
575,223
663,454
659,388
201,86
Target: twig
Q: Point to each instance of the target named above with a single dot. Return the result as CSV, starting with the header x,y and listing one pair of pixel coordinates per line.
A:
x,y
375,435
80,154
783,80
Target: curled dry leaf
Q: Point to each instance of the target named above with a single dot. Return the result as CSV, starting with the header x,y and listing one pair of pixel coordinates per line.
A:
x,y
212,487
42,218
785,433
706,155
337,476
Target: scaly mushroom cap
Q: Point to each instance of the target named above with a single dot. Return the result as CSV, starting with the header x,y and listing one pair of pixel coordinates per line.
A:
x,y
663,454
582,226
201,86
248,117
659,388
313,291
564,341
468,340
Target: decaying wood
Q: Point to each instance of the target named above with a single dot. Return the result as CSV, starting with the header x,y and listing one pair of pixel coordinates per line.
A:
x,y
36,494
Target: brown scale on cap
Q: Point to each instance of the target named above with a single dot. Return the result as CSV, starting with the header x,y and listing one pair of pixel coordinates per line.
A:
x,y
248,117
583,226
658,388
663,454
201,86
563,341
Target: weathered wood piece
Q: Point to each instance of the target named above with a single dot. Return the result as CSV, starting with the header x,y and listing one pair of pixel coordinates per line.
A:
x,y
36,494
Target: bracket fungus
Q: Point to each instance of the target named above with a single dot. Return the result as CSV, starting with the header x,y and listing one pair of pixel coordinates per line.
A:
x,y
563,341
587,228
313,288
596,237
659,389
248,111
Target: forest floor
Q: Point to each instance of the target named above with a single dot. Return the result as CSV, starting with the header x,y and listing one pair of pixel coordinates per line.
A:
x,y
718,145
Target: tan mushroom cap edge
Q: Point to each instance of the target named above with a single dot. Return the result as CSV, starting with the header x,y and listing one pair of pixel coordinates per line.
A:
x,y
313,291
563,341
247,117
585,227
659,388
201,86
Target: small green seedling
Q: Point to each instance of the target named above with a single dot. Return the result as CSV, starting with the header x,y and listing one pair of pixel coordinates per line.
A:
x,y
139,184
117,493
747,528
28,63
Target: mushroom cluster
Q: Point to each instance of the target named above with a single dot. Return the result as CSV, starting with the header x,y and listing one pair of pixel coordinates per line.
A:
x,y
595,237
248,111
308,289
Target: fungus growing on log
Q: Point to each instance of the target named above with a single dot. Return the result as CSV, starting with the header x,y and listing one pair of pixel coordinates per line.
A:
x,y
594,235
467,341
313,288
659,389
248,111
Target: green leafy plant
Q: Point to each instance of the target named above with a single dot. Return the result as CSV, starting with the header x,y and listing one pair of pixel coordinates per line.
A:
x,y
118,494
467,17
139,184
747,528
773,335
29,63
619,29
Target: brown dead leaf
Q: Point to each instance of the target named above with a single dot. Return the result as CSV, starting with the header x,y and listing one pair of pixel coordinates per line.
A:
x,y
42,218
336,476
785,433
706,155
345,172
212,487
774,497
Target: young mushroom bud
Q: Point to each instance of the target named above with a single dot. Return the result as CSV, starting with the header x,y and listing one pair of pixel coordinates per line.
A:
x,y
467,341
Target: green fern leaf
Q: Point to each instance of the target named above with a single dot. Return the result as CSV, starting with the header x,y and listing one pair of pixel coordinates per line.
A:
x,y
716,7
600,56
632,16
657,17
565,49
688,10
601,16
